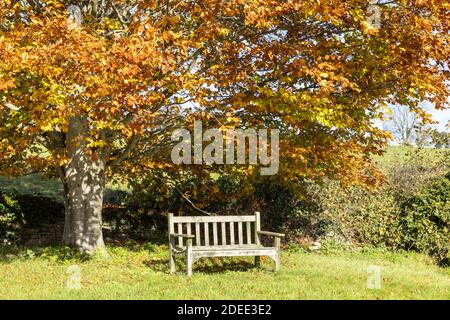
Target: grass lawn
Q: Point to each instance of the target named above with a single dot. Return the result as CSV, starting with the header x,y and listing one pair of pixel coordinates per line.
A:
x,y
141,272
395,155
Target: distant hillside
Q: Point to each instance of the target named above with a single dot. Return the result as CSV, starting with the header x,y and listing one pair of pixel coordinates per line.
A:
x,y
401,154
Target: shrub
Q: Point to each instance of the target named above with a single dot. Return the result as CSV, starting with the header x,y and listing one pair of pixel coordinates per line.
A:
x,y
11,220
21,211
425,220
357,215
416,168
38,209
418,221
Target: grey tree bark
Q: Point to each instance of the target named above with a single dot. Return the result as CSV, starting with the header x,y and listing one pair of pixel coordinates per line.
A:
x,y
84,182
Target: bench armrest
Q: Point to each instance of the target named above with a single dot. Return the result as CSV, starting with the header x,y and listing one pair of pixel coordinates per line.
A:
x,y
180,235
272,234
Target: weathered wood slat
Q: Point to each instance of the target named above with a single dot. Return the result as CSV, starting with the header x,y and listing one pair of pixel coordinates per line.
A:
x,y
272,234
171,228
224,233
197,234
213,219
180,231
171,244
189,229
232,232
257,227
182,235
230,247
206,229
215,234
240,235
249,234
234,253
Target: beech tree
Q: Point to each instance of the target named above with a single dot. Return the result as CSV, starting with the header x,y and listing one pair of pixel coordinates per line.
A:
x,y
89,101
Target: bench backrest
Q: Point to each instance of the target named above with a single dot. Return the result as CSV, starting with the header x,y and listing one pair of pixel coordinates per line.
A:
x,y
217,230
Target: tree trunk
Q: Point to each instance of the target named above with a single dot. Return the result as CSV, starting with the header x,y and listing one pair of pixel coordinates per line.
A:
x,y
84,181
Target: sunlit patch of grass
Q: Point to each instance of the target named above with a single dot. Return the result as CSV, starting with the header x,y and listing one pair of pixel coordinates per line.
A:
x,y
396,155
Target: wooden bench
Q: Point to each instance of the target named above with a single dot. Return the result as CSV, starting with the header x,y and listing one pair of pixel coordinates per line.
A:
x,y
219,236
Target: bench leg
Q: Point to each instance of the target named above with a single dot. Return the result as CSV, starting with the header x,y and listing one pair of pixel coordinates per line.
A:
x,y
189,258
257,261
277,244
171,261
277,262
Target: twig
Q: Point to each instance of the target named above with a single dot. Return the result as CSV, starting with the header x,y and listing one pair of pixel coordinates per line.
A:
x,y
193,205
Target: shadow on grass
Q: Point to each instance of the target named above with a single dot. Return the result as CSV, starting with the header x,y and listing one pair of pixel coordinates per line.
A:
x,y
60,253
204,265
54,253
217,265
136,245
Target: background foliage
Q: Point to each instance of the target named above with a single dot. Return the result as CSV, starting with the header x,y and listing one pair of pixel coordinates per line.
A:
x,y
410,212
11,220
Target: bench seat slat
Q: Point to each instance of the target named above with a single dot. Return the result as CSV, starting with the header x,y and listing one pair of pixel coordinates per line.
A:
x,y
229,247
225,248
267,251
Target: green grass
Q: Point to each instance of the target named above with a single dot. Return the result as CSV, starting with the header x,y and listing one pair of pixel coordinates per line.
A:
x,y
395,155
141,272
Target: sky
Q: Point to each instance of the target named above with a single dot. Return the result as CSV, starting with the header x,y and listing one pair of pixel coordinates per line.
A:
x,y
443,116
